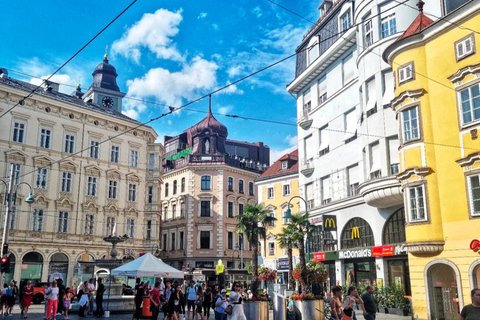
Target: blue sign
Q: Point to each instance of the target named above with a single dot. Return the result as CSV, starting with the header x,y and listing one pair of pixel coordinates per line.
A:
x,y
282,264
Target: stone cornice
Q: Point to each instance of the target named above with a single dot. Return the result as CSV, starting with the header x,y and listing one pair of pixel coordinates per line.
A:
x,y
425,248
462,73
412,94
469,160
419,171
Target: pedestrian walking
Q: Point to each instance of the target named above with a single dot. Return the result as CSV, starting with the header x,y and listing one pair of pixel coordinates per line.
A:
x,y
138,298
27,298
155,301
83,303
236,301
67,302
351,301
199,305
472,311
370,304
61,294
177,303
191,297
99,297
336,303
91,295
53,302
207,303
48,290
220,305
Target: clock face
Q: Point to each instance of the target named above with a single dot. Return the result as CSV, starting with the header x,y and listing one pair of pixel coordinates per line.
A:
x,y
107,102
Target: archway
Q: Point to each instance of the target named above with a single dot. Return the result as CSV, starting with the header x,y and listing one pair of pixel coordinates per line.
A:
x,y
474,274
84,268
443,297
9,275
58,267
32,265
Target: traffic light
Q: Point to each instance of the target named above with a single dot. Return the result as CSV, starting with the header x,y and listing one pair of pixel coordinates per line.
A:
x,y
5,265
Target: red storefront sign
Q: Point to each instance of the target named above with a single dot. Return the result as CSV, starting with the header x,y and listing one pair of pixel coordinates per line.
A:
x,y
319,256
383,251
475,245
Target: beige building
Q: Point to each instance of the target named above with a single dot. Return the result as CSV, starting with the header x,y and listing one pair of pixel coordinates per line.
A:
x,y
92,171
207,181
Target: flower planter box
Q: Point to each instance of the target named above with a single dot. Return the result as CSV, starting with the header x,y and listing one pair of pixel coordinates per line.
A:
x,y
256,310
309,310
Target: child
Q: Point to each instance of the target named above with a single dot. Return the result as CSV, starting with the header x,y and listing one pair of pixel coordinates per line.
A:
x,y
67,300
83,304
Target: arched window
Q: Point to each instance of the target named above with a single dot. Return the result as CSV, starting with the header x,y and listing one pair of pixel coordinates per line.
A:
x,y
394,229
183,185
240,186
166,189
356,234
175,187
206,182
230,184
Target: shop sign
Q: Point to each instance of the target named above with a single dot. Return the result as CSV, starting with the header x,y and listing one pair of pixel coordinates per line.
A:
x,y
359,253
329,223
316,220
383,251
475,245
282,264
220,267
319,256
325,256
355,233
130,252
400,249
204,264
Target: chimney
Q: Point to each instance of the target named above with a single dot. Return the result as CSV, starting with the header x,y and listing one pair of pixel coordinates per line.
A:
x,y
325,7
51,86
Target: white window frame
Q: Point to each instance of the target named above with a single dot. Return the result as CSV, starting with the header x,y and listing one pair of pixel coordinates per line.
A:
x,y
151,162
38,218
416,189
110,225
41,178
130,229
344,27
134,158
405,73
284,164
62,222
174,210
19,129
471,111
17,171
286,190
67,180
471,199
89,229
92,186
94,149
270,193
69,141
315,48
204,229
209,180
410,124
368,32
114,153
45,138
271,253
182,209
465,47
232,184
387,22
112,189
132,192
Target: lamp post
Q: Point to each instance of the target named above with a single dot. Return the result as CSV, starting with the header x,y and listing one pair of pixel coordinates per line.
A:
x,y
240,239
157,250
288,215
11,198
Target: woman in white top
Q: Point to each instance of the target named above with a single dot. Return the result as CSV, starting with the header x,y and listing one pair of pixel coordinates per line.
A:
x,y
53,301
235,296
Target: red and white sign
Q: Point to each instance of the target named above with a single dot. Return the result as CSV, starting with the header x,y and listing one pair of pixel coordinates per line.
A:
x,y
319,256
475,245
383,251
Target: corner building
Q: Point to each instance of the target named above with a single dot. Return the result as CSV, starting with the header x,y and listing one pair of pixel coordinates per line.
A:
x,y
207,182
83,186
437,100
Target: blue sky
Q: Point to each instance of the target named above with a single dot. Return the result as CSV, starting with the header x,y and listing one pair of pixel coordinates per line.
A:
x,y
170,52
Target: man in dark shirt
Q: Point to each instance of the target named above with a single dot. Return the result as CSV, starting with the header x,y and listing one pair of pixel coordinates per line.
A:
x,y
99,297
369,303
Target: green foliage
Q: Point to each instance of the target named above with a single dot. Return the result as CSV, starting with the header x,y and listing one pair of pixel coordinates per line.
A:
x,y
391,297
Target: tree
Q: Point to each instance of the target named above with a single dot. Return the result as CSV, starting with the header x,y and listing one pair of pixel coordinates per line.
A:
x,y
303,230
253,223
286,240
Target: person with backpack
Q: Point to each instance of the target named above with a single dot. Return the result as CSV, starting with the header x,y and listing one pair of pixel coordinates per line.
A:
x,y
6,292
220,305
13,297
167,293
191,297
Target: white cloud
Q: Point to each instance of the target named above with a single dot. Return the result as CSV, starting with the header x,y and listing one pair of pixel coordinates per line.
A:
x,y
225,110
202,15
153,31
215,26
231,90
275,154
132,113
257,12
234,71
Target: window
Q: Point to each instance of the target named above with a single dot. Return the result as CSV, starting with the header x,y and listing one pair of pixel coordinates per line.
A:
x,y
114,154
182,189
174,211
410,124
353,180
37,220
368,33
17,169
307,102
182,209
172,241
164,242
350,127
69,143
388,89
389,25
352,239
230,184
272,214
180,240
271,248
13,218
393,146
132,192
230,209
66,181
89,224
92,186
151,162
130,228
465,47
417,205
375,169
206,182
41,178
270,193
346,21
205,208
240,186
111,225
474,194
18,132
324,141
148,235
322,90
150,194
371,105
251,189
166,189
405,73
45,138
349,68
394,230
309,151
450,5
326,194
286,190
204,239
230,240
165,212
309,191
112,189
284,165
240,208
470,100
62,222
133,158
94,148
175,187
313,52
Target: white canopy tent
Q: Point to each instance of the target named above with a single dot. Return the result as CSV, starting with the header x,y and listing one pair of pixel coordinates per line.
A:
x,y
147,266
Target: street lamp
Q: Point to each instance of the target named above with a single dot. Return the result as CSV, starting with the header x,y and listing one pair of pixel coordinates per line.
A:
x,y
157,250
11,198
240,239
288,215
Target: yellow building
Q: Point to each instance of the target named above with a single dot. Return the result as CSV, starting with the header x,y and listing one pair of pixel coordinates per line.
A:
x,y
275,187
437,100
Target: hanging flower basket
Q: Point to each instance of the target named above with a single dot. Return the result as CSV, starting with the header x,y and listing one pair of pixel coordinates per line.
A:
x,y
316,273
267,274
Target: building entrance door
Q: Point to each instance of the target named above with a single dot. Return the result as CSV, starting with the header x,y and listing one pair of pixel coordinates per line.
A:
x,y
443,292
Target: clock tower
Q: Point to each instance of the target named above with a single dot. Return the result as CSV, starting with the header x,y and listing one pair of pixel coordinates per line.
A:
x,y
104,90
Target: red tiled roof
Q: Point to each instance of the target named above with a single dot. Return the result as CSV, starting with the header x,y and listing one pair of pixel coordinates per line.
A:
x,y
276,168
419,24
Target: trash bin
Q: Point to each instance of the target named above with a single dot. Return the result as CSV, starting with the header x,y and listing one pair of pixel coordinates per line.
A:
x,y
146,307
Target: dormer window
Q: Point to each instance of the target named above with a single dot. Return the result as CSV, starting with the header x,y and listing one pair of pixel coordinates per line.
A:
x,y
284,164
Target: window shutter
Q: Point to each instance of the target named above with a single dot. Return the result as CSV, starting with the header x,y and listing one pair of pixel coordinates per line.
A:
x,y
353,176
350,125
326,188
309,150
375,157
324,143
393,145
371,95
459,50
468,45
389,93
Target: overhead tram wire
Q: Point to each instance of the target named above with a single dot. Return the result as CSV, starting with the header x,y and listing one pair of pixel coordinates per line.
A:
x,y
292,12
21,101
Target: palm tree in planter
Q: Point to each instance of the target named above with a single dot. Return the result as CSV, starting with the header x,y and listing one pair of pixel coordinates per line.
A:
x,y
253,223
286,240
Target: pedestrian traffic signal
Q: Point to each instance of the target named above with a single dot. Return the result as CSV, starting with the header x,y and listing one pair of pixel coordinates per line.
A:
x,y
5,265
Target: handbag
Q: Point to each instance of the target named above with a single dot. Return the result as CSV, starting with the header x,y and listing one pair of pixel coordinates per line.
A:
x,y
229,309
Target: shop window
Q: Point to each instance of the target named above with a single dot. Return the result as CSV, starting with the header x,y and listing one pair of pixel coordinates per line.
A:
x,y
32,265
357,233
394,229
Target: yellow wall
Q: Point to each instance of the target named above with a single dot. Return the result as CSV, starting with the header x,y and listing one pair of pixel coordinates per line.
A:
x,y
441,138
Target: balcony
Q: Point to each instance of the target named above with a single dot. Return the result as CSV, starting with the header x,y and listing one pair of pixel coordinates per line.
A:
x,y
305,121
307,167
382,192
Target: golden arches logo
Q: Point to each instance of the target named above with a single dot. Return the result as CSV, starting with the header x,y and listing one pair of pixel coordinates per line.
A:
x,y
330,223
355,233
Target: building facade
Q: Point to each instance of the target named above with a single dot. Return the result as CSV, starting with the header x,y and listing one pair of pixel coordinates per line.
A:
x,y
93,173
436,67
275,187
207,182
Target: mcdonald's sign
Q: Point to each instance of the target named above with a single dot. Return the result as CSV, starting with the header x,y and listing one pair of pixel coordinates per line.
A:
x,y
355,233
329,223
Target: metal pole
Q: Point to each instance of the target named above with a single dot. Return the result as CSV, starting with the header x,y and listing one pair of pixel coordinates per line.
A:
x,y
241,253
6,223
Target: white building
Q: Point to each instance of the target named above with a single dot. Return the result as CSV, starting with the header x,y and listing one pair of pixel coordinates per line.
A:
x,y
83,186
